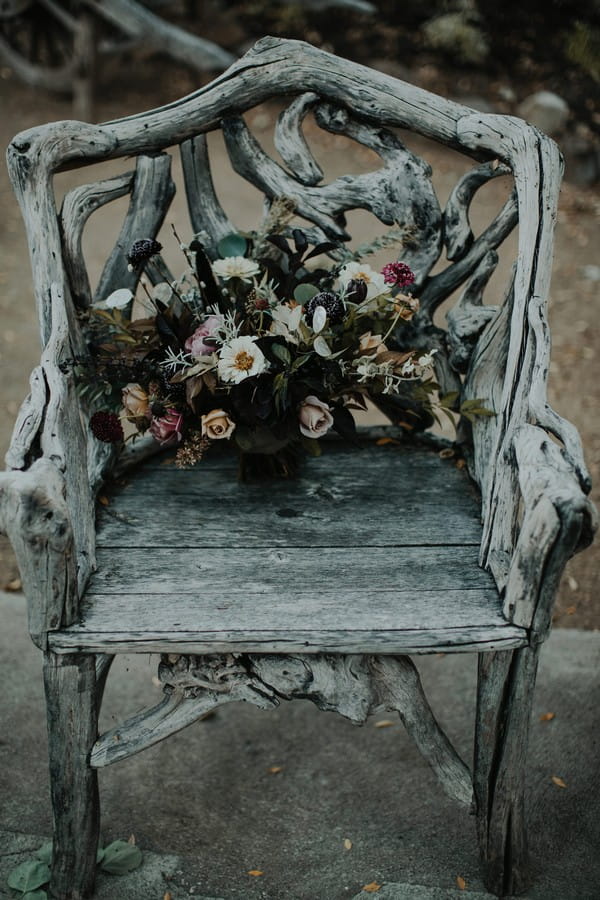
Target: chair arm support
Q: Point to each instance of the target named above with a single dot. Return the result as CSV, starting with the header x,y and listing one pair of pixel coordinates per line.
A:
x,y
558,520
35,516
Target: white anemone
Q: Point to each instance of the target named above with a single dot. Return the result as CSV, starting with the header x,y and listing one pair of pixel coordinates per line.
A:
x,y
236,267
240,358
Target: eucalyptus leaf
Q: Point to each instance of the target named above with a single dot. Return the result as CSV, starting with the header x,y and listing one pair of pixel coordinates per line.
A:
x,y
30,875
232,245
44,854
322,347
120,858
319,319
35,895
304,292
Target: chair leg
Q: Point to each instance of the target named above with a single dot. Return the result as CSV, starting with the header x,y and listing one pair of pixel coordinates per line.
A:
x,y
505,692
70,683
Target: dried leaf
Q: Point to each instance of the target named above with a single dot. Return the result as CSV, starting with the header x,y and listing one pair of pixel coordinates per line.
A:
x,y
168,896
386,440
274,770
460,463
446,453
103,500
14,585
347,844
571,610
255,872
371,888
131,840
547,717
461,882
558,781
383,723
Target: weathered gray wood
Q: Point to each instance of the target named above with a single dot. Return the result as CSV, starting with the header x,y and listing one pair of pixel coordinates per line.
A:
x,y
342,499
77,207
152,192
72,729
458,236
354,686
291,144
467,319
34,515
206,214
28,422
505,693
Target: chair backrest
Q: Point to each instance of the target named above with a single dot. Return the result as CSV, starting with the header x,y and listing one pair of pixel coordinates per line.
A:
x,y
496,353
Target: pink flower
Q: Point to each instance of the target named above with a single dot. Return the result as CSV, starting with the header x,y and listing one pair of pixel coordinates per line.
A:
x,y
314,417
167,429
398,273
195,343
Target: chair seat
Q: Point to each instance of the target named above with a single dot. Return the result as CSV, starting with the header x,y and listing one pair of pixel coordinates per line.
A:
x,y
370,551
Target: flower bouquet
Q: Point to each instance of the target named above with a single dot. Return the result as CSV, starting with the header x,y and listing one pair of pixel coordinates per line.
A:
x,y
265,347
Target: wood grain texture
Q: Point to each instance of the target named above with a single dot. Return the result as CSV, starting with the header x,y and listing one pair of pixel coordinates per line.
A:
x,y
506,683
70,685
151,195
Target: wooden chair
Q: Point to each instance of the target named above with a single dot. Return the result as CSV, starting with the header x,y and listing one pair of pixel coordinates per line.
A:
x,y
324,587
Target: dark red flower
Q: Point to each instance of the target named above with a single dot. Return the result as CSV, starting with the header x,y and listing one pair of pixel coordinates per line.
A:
x,y
106,426
398,273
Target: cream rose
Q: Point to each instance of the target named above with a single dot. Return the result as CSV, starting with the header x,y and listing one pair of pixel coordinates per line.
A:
x,y
135,401
314,417
216,425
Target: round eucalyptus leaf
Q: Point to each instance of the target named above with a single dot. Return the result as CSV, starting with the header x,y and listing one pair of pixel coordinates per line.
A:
x,y
30,875
44,854
121,857
232,245
322,347
304,292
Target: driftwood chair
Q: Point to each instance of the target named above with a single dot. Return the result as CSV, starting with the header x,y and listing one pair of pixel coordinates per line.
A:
x,y
432,561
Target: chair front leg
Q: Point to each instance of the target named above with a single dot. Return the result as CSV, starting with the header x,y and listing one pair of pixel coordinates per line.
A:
x,y
506,681
70,683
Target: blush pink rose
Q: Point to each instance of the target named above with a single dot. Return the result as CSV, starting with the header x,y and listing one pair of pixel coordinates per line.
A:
x,y
195,343
167,429
314,417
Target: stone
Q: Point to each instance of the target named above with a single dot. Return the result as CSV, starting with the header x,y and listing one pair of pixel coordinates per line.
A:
x,y
546,110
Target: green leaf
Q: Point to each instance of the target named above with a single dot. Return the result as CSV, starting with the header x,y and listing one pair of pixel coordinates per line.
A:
x,y
35,895
44,854
304,292
30,875
448,400
281,353
120,858
232,245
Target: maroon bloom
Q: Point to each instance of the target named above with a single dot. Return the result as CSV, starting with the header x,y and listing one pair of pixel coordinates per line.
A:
x,y
167,429
398,274
106,426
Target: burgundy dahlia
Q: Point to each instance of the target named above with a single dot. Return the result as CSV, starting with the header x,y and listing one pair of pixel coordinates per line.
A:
x,y
398,274
141,251
331,303
106,426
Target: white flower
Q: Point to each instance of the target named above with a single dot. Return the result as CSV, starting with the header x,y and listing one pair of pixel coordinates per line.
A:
x,y
354,271
236,267
240,358
118,299
427,359
286,321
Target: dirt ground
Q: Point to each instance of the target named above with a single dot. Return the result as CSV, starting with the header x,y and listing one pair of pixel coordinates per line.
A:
x,y
575,306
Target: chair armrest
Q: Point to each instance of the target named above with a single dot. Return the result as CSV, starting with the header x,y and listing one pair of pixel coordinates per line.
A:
x,y
558,519
47,504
